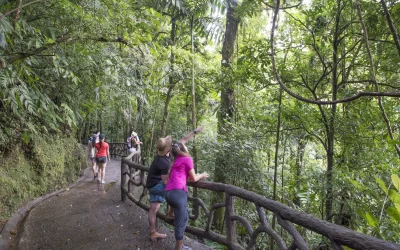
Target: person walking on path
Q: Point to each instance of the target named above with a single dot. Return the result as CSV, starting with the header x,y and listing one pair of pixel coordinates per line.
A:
x,y
92,152
176,192
103,154
158,177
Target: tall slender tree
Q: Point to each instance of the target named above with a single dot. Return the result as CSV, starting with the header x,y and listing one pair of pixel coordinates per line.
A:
x,y
227,106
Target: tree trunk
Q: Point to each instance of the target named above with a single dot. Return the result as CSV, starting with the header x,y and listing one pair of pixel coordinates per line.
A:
x,y
226,111
170,79
391,26
331,121
100,122
299,164
194,119
277,139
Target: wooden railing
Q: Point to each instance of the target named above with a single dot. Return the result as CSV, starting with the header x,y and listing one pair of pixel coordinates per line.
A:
x,y
133,186
118,149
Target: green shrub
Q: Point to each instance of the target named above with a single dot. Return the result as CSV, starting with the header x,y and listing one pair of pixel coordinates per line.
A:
x,y
44,165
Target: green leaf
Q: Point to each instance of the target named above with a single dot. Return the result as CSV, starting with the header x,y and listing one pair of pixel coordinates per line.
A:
x,y
357,184
397,205
396,181
382,185
360,212
313,196
302,194
393,142
18,99
25,137
395,198
371,220
37,44
394,213
5,26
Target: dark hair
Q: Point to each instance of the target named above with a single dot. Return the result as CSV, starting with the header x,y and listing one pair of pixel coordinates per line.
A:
x,y
101,137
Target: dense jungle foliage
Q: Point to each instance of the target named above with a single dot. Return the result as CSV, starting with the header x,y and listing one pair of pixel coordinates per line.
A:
x,y
300,100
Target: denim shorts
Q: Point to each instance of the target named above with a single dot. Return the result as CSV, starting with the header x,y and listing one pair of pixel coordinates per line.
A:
x,y
101,159
157,193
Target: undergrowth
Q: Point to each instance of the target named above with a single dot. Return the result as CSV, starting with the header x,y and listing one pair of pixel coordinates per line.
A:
x,y
44,165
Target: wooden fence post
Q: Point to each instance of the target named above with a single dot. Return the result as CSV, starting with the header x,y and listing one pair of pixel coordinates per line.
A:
x,y
123,178
229,223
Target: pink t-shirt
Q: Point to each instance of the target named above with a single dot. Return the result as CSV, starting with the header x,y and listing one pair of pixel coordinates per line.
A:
x,y
179,173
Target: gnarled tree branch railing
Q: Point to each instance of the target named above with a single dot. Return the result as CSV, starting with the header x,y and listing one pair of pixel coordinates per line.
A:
x,y
135,189
118,149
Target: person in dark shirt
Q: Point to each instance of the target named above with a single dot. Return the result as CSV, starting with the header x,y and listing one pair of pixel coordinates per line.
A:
x,y
158,176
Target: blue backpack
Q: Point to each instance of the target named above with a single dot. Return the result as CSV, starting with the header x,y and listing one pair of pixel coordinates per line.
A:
x,y
92,140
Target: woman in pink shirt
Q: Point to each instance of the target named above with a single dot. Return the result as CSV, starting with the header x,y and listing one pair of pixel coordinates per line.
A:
x,y
176,193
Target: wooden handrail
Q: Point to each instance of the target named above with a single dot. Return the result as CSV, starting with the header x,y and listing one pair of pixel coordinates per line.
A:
x,y
339,236
118,149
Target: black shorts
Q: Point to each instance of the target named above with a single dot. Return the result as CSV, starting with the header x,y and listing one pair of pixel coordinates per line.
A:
x,y
101,159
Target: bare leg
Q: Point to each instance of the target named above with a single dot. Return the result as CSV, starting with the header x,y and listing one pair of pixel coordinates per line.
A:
x,y
170,212
101,171
94,168
154,206
178,244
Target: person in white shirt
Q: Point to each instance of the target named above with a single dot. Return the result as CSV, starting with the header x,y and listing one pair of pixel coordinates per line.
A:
x,y
133,142
92,152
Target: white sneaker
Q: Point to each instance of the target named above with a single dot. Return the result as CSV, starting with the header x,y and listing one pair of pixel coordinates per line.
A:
x,y
186,247
103,182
